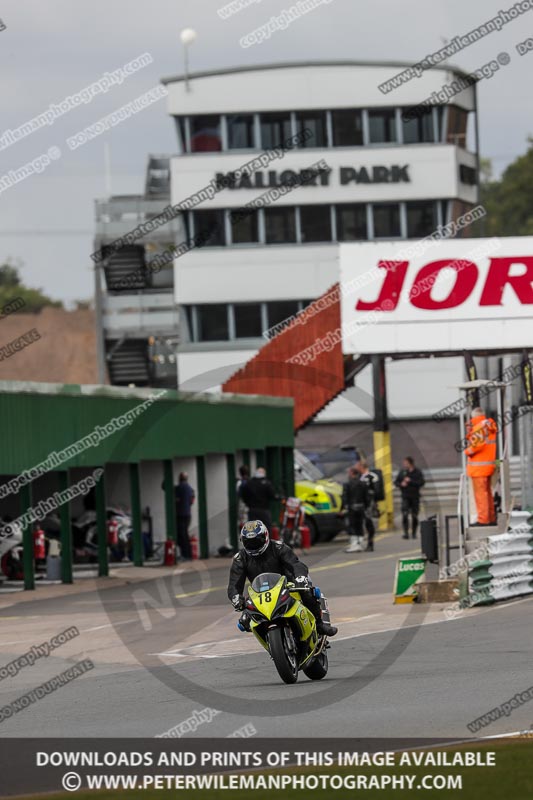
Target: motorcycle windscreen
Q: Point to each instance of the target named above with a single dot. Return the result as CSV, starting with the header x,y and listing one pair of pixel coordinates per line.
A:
x,y
266,581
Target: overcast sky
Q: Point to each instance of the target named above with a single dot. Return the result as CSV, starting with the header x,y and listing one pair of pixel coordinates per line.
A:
x,y
52,49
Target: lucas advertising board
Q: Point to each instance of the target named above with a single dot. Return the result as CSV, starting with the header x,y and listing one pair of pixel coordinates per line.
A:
x,y
409,572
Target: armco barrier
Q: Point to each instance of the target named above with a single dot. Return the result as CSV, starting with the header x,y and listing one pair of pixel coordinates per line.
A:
x,y
507,571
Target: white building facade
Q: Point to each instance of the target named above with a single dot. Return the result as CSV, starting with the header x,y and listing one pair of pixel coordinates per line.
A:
x,y
362,172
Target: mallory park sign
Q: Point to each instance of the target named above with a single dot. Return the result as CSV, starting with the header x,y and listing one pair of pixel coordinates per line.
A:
x,y
313,177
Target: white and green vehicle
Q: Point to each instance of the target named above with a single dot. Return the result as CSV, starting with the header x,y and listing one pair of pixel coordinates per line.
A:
x,y
321,498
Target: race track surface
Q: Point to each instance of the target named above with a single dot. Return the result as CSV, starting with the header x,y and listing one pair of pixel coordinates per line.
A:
x,y
167,646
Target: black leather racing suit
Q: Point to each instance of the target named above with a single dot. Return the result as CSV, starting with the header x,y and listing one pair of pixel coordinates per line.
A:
x,y
257,494
410,497
276,558
355,499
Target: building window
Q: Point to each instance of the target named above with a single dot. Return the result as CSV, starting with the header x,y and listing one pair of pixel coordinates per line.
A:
x,y
247,320
443,207
439,117
314,125
280,311
212,321
421,219
275,129
182,134
240,131
382,125
244,226
467,175
205,134
280,225
387,220
189,310
351,222
209,228
420,128
347,128
187,225
315,223
457,125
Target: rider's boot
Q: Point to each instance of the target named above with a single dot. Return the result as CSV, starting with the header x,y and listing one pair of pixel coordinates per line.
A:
x,y
325,628
244,622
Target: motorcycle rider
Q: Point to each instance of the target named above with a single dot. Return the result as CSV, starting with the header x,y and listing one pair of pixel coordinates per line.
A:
x,y
371,480
257,493
259,554
409,481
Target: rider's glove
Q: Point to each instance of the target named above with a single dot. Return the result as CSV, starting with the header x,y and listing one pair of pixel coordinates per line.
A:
x,y
302,582
237,601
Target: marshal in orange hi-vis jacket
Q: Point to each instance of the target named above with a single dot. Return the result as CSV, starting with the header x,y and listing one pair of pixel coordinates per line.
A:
x,y
481,463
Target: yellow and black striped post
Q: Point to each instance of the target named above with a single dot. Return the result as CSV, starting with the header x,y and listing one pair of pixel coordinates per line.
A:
x,y
382,448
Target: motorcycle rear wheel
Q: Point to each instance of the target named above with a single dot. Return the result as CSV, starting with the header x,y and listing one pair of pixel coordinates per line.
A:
x,y
292,538
286,664
12,567
286,536
318,668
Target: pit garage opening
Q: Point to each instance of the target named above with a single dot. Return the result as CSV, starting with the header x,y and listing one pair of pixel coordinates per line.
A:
x,y
70,449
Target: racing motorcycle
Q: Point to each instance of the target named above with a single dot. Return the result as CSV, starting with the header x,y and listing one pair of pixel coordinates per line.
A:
x,y
85,535
292,519
286,628
119,533
11,564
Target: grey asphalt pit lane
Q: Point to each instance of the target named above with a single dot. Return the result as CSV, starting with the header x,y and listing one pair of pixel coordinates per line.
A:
x,y
161,615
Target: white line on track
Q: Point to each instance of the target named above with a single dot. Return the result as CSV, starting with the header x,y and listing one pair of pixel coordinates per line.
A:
x,y
450,743
109,625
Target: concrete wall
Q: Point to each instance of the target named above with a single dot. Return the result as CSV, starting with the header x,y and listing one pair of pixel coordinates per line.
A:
x,y
188,465
415,388
306,86
431,444
118,486
152,495
217,501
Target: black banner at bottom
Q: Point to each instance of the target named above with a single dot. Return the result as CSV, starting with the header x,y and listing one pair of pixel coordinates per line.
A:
x,y
325,768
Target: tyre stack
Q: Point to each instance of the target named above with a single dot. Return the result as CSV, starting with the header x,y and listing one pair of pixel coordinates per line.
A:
x,y
505,569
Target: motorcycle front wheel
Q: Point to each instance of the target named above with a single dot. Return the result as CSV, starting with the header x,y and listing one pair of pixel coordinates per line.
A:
x,y
285,661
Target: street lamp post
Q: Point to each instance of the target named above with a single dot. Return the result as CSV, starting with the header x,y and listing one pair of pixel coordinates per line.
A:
x,y
187,36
